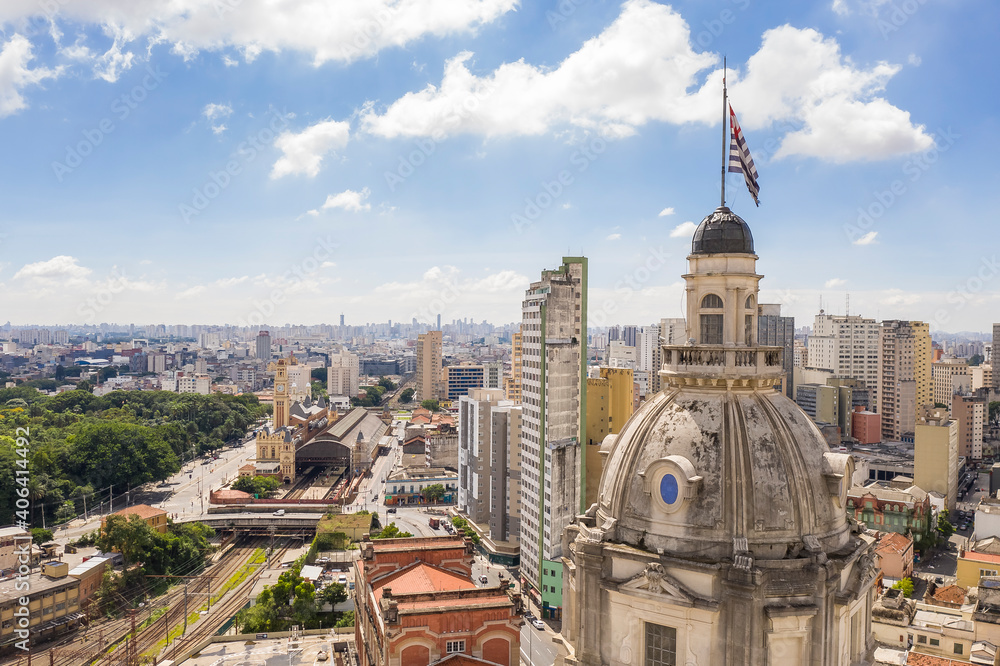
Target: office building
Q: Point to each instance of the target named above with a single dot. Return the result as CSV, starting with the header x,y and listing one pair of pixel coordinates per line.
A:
x,y
458,380
996,346
904,383
609,406
554,399
429,362
820,402
970,411
263,345
493,375
777,331
951,376
672,332
845,346
475,446
513,383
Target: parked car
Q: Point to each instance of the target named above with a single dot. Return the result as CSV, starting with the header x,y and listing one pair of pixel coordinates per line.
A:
x,y
537,624
391,509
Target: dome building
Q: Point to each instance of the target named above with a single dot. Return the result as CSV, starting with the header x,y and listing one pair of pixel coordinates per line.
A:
x,y
720,534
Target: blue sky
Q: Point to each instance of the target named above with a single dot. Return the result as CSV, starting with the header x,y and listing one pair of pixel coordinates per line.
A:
x,y
242,161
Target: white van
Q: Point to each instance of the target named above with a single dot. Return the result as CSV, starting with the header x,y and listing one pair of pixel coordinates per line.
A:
x,y
279,512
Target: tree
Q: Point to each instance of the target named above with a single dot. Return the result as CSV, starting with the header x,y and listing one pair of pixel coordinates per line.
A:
x,y
406,395
976,359
386,383
940,405
333,594
319,374
346,620
390,531
40,536
433,492
906,585
131,536
431,405
84,385
995,412
944,525
257,485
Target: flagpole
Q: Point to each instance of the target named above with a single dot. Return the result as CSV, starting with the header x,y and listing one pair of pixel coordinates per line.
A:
x,y
724,137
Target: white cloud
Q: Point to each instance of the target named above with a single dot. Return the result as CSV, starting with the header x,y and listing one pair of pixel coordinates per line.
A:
x,y
613,237
834,282
62,267
115,61
867,239
442,289
230,282
914,59
666,211
643,68
193,291
840,7
304,152
15,74
683,230
348,200
217,112
342,31
229,62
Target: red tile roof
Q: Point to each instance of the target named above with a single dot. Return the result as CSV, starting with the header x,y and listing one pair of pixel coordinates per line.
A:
x,y
895,542
144,511
421,577
952,594
460,659
916,659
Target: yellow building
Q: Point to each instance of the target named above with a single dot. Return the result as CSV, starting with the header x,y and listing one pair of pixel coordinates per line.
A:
x,y
922,362
429,364
53,605
935,454
155,518
973,565
609,406
512,384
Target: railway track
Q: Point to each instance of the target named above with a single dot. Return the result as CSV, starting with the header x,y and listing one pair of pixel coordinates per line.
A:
x,y
109,643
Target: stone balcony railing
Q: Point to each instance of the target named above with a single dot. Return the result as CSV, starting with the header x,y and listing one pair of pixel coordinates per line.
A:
x,y
716,365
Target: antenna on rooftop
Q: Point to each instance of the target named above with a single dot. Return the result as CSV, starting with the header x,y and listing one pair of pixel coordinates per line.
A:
x,y
848,308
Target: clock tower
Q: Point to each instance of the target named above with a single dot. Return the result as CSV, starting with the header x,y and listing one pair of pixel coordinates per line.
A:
x,y
280,369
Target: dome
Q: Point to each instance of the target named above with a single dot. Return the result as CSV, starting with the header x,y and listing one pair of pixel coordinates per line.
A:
x,y
709,473
722,232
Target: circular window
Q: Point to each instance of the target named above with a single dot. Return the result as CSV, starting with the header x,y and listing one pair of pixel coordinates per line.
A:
x,y
669,489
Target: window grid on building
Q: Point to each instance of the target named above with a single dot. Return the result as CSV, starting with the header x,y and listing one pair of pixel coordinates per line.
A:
x,y
661,645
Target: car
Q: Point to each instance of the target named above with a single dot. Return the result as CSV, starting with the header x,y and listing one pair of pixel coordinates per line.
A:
x,y
483,579
322,656
342,579
537,624
939,580
391,509
279,512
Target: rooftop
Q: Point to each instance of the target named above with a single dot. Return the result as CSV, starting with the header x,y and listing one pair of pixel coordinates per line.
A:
x,y
144,511
421,577
37,584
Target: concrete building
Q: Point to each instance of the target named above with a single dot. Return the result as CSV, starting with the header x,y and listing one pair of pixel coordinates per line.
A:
x,y
846,346
343,375
720,502
416,604
866,427
647,342
609,407
513,387
672,332
12,541
895,555
821,403
904,509
904,382
505,482
935,454
777,331
194,383
406,485
53,605
951,376
993,363
970,411
459,380
554,422
262,347
441,446
493,375
620,355
429,360
475,452
154,517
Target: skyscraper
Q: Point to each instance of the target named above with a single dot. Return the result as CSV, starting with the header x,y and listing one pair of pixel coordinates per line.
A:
x,y
995,357
513,383
342,377
264,345
429,366
846,346
904,357
777,331
554,398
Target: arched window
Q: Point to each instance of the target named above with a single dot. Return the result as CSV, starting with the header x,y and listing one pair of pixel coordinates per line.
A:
x,y
711,323
749,304
711,301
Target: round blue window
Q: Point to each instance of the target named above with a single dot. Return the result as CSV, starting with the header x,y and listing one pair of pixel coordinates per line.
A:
x,y
668,488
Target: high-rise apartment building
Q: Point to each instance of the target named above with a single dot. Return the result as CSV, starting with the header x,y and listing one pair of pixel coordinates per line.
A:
x,y
935,454
847,346
474,448
493,375
263,345
994,352
950,376
672,331
647,341
609,406
513,385
777,331
342,377
970,412
429,350
554,399
630,335
904,357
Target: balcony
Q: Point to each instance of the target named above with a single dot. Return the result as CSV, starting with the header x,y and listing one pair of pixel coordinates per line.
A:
x,y
715,365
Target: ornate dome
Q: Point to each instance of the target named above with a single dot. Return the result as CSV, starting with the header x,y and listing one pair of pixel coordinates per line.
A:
x,y
722,232
711,474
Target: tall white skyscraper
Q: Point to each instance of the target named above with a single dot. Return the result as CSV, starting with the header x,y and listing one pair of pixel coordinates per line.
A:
x,y
342,375
554,423
847,346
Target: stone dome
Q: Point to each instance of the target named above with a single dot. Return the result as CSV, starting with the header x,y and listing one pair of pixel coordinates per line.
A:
x,y
722,232
711,474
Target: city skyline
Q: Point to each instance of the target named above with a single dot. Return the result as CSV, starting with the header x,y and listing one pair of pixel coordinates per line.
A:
x,y
172,167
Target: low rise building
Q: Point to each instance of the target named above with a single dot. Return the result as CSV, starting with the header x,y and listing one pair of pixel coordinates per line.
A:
x,y
904,510
155,518
90,573
418,605
895,555
53,605
406,486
